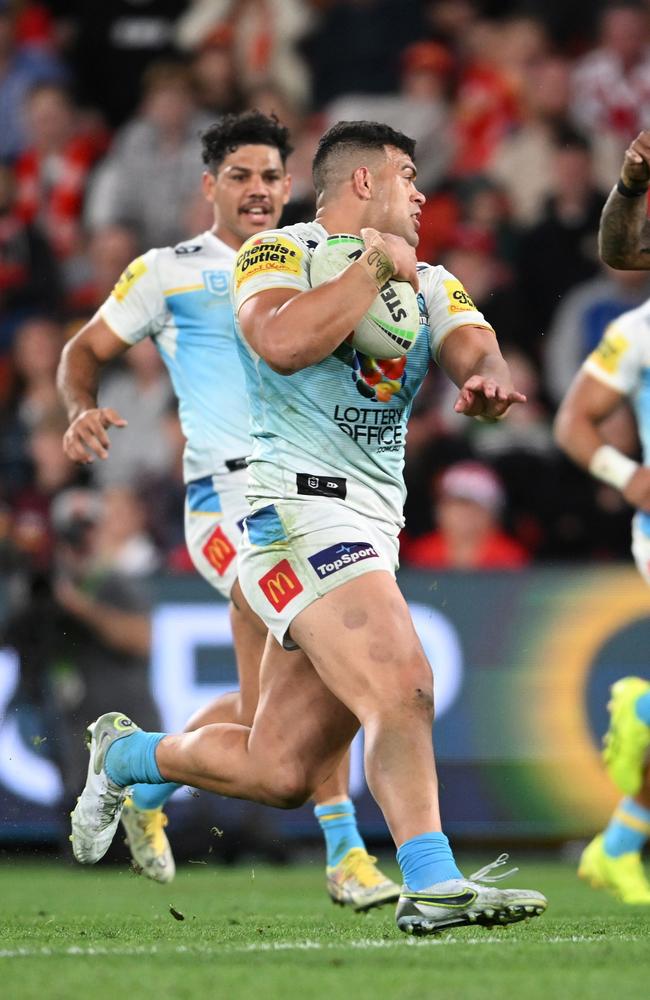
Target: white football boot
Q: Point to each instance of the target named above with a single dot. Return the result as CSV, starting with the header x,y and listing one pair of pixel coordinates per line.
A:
x,y
460,902
97,812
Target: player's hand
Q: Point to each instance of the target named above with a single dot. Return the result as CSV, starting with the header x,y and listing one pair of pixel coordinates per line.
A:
x,y
637,491
635,171
86,436
485,398
400,253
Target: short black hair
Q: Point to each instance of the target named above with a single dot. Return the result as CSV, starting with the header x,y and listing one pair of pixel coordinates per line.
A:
x,y
362,136
250,128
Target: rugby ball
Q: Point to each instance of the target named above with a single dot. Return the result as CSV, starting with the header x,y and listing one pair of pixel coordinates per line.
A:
x,y
390,326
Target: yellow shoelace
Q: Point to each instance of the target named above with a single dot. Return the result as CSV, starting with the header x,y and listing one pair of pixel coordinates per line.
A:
x,y
152,823
361,865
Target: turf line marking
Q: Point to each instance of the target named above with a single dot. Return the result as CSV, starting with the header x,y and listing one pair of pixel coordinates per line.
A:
x,y
308,945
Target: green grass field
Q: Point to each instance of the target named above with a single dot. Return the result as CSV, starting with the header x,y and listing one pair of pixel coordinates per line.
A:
x,y
271,933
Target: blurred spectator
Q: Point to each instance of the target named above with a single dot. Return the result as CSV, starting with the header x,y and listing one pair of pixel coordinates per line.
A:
x,y
570,25
163,496
152,173
523,160
561,249
115,42
123,543
487,100
521,451
581,319
22,66
524,44
37,348
264,36
30,397
217,87
356,44
528,427
420,108
433,442
474,259
108,252
30,502
475,208
449,20
30,280
468,508
82,634
485,207
611,85
52,172
140,391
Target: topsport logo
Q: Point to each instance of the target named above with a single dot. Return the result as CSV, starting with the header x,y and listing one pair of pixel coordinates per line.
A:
x,y
336,557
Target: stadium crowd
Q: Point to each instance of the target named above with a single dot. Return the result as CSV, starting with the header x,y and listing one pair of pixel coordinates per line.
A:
x,y
521,110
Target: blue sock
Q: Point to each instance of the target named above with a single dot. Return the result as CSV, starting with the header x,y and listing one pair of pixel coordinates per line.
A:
x,y
425,860
133,758
628,829
642,708
339,826
153,796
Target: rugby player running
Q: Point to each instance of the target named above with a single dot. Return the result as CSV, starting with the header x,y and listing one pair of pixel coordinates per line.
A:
x,y
617,370
319,484
179,297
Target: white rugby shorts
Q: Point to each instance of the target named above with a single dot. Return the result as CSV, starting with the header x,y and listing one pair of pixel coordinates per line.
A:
x,y
215,508
641,545
295,551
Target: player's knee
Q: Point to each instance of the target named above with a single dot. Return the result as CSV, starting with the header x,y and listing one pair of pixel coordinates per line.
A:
x,y
412,687
290,787
422,700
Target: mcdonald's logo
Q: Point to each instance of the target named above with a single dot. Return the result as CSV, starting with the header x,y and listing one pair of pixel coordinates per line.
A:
x,y
219,551
280,585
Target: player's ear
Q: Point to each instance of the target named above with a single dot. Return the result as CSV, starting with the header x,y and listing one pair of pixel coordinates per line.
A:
x,y
362,183
286,188
208,182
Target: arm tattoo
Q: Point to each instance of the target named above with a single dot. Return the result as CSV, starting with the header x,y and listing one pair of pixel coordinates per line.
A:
x,y
624,234
382,265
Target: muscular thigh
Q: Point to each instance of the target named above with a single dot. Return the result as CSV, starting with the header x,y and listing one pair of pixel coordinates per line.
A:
x,y
293,552
299,721
361,640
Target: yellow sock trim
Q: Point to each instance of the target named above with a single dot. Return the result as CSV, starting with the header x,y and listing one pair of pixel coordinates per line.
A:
x,y
632,822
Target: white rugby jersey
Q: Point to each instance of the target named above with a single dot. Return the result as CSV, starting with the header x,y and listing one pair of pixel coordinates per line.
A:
x,y
178,296
314,432
622,361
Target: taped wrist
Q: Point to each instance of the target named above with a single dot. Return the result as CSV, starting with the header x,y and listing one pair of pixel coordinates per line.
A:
x,y
611,466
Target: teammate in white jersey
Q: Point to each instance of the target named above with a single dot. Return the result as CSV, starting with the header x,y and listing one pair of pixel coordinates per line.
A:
x,y
619,369
322,487
178,296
